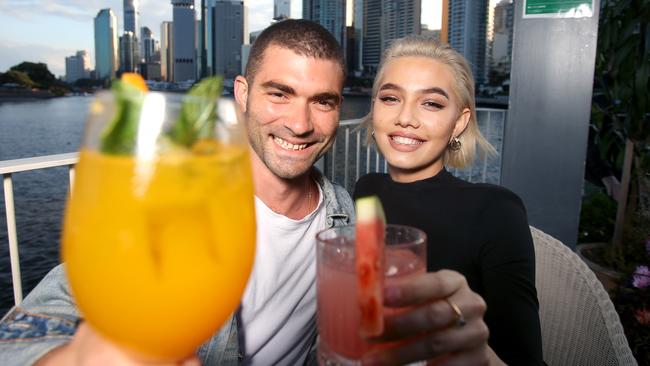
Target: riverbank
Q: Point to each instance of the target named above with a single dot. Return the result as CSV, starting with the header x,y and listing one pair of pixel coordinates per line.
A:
x,y
24,95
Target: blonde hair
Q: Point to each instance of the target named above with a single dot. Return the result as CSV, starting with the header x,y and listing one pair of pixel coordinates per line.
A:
x,y
462,88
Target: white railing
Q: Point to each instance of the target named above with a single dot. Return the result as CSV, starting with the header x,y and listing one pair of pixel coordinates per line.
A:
x,y
350,156
7,168
349,138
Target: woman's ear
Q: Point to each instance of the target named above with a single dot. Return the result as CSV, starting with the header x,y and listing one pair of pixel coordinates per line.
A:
x,y
241,92
462,122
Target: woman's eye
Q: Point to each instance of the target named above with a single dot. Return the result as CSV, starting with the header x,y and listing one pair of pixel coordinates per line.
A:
x,y
433,105
388,99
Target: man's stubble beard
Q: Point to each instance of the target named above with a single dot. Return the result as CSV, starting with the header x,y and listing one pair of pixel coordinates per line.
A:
x,y
281,168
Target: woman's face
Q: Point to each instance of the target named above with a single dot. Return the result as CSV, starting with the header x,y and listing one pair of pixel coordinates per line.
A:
x,y
415,115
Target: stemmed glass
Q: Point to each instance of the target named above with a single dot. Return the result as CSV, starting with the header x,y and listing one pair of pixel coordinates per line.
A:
x,y
159,231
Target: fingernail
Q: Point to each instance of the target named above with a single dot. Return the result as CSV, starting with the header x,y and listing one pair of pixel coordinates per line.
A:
x,y
392,294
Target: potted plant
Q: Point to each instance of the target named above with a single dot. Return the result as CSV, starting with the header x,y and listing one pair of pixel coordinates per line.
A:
x,y
621,122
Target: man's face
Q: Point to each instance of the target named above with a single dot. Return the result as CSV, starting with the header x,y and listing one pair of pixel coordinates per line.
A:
x,y
291,110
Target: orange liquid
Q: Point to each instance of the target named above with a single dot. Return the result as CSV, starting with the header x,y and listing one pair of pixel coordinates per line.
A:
x,y
158,253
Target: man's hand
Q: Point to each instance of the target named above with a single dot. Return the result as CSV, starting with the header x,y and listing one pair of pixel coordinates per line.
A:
x,y
89,348
432,329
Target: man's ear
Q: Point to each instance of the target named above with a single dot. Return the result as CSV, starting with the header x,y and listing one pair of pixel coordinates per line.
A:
x,y
462,122
241,92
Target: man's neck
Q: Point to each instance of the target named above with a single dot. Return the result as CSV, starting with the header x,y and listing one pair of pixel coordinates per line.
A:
x,y
294,198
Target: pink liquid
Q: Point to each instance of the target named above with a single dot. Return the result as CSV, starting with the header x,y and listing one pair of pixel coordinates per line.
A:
x,y
338,312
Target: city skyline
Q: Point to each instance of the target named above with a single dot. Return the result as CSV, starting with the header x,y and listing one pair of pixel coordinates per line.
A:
x,y
49,31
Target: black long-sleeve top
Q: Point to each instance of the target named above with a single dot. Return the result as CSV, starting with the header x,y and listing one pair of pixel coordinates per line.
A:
x,y
481,231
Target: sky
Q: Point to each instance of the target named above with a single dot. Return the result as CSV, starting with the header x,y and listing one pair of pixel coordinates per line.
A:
x,y
50,30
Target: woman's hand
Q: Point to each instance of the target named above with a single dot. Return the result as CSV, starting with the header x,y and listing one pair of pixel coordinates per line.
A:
x,y
89,348
432,329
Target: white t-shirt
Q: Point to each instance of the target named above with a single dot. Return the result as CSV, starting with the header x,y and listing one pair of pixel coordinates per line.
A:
x,y
277,321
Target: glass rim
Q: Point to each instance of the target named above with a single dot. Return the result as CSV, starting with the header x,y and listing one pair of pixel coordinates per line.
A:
x,y
420,240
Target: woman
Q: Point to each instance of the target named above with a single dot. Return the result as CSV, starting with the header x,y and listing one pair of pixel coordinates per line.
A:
x,y
423,118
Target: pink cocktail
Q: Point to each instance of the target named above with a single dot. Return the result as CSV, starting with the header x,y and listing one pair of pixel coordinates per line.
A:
x,y
338,311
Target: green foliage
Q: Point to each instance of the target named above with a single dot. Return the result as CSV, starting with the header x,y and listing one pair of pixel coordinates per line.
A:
x,y
17,77
119,136
597,217
38,72
622,79
198,113
88,83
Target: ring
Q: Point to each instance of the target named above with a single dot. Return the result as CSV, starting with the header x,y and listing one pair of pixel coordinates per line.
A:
x,y
460,319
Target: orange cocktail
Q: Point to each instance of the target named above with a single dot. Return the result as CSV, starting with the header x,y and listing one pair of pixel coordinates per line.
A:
x,y
159,242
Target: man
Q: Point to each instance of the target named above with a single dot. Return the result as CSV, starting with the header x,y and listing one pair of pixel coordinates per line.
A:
x,y
290,100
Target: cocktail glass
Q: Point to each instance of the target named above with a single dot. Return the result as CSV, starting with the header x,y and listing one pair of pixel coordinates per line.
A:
x,y
339,315
159,231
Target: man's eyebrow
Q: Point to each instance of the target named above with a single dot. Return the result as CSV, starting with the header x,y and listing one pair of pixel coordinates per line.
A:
x,y
281,87
433,90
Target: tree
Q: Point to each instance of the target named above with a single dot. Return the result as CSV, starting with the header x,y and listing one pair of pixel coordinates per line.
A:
x,y
17,77
38,72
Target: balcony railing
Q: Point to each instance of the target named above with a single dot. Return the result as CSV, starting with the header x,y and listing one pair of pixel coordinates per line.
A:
x,y
348,159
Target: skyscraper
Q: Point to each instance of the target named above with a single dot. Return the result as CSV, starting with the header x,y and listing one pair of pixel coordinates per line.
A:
x,y
167,51
281,9
501,49
328,13
357,23
468,33
128,53
148,44
131,16
227,34
76,67
385,21
184,31
106,61
201,49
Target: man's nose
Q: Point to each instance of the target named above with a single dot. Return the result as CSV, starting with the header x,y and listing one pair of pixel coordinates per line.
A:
x,y
299,122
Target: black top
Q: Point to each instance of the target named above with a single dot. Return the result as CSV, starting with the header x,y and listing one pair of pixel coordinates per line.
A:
x,y
481,231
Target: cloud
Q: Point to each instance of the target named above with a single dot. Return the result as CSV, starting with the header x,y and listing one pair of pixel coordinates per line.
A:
x,y
77,10
13,54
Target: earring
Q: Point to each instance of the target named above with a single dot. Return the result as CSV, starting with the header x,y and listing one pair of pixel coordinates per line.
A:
x,y
455,144
372,133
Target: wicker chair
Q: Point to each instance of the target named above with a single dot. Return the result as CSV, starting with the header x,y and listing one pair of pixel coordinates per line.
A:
x,y
579,323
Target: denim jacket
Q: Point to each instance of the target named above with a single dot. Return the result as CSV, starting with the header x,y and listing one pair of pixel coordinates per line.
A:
x,y
47,317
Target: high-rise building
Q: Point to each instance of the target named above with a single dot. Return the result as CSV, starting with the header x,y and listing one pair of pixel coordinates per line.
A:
x,y
129,59
201,40
467,29
285,9
227,34
385,21
501,49
148,44
281,9
131,16
106,61
77,67
357,24
328,13
167,51
184,31
132,23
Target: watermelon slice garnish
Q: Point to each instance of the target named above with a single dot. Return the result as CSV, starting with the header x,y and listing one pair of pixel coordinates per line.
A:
x,y
369,264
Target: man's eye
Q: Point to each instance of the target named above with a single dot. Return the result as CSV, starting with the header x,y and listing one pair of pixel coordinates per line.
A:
x,y
325,104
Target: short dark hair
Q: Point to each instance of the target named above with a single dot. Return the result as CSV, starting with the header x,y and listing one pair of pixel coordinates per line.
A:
x,y
303,37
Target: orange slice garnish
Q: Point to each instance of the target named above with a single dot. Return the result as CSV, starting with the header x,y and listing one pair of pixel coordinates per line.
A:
x,y
136,80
